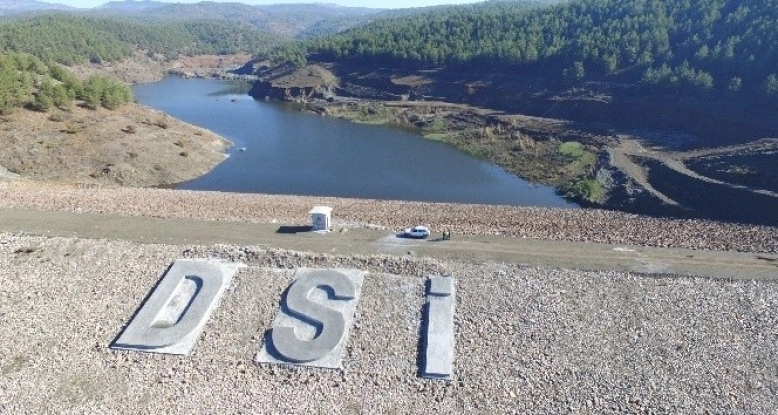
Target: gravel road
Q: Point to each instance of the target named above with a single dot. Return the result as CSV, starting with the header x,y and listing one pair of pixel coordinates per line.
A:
x,y
583,225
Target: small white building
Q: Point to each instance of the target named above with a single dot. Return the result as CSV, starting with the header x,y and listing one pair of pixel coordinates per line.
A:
x,y
320,218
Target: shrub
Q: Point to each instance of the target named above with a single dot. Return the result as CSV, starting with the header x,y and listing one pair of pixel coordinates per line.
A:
x,y
162,123
73,128
57,117
590,190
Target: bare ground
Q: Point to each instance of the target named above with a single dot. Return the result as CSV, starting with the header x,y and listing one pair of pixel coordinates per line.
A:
x,y
606,174
627,147
137,146
528,340
131,146
142,68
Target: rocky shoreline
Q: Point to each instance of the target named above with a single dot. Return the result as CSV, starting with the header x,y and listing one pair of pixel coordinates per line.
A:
x,y
130,146
531,147
46,151
602,171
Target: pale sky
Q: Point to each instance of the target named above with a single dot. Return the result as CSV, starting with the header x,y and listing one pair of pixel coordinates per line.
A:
x,y
383,4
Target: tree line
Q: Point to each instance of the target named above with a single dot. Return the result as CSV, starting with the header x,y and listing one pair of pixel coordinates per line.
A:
x,y
71,39
33,47
680,46
26,81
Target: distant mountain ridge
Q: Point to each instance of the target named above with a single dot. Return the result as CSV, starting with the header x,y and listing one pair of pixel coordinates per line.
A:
x,y
9,7
633,63
288,20
131,5
303,20
118,29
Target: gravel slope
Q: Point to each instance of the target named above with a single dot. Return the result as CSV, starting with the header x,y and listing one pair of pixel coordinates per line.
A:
x,y
529,340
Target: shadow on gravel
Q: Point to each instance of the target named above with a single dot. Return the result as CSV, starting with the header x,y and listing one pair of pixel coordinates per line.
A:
x,y
142,304
439,239
293,229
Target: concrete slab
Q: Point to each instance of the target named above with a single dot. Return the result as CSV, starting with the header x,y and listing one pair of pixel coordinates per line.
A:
x,y
173,316
438,333
314,318
441,286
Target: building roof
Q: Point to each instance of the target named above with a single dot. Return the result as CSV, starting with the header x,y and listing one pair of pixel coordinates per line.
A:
x,y
322,210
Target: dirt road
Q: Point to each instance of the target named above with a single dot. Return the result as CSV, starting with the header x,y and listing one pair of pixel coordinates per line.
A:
x,y
360,241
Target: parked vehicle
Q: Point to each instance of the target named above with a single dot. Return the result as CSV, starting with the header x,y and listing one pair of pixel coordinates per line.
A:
x,y
419,232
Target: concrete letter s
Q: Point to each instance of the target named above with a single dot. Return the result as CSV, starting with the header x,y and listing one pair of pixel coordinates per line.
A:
x,y
330,323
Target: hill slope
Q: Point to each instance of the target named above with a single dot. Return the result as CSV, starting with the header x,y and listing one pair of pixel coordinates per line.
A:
x,y
680,46
73,38
287,21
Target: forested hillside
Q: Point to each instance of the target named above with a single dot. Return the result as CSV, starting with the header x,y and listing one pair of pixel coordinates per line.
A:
x,y
119,28
288,21
683,46
71,39
26,81
32,45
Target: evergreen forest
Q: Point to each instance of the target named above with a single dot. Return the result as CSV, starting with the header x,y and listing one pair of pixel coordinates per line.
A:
x,y
680,46
26,81
33,47
71,39
702,47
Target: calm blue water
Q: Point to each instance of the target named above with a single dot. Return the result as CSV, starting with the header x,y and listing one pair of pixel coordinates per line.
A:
x,y
290,152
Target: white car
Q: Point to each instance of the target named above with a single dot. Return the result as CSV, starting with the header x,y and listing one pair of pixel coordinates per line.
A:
x,y
419,232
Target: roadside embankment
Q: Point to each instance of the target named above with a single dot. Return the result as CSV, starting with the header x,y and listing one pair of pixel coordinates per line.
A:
x,y
587,225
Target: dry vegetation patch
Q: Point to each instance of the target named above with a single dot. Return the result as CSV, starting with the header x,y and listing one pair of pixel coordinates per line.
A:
x,y
132,146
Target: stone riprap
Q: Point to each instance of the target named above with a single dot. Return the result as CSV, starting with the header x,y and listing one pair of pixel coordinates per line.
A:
x,y
175,313
314,319
529,340
588,225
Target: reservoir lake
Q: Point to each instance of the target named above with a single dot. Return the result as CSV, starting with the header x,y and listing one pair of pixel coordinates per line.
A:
x,y
280,150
